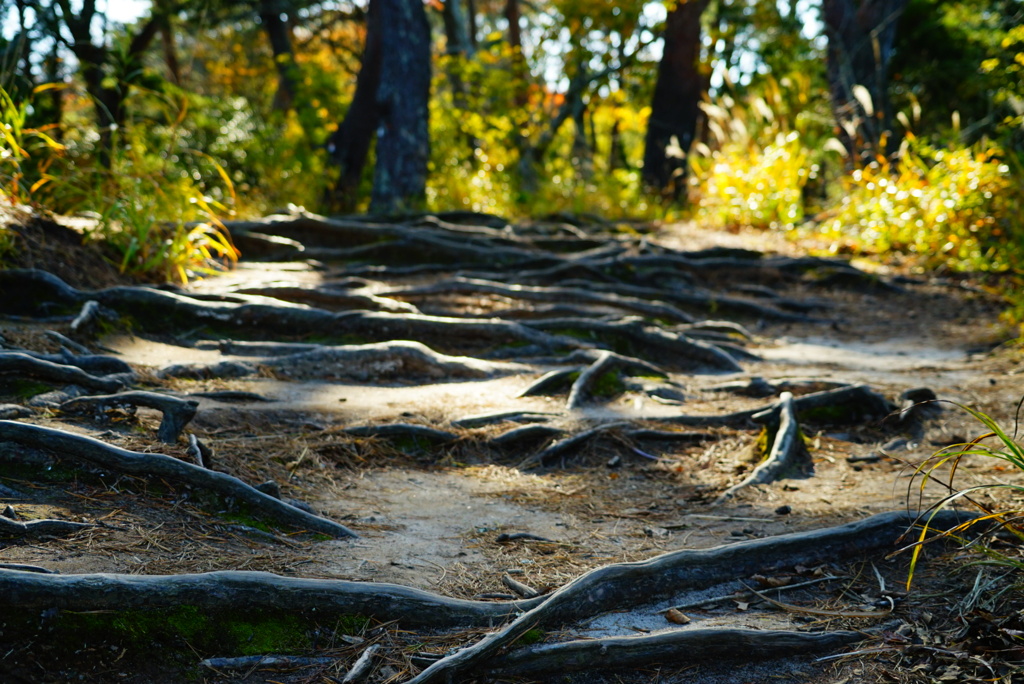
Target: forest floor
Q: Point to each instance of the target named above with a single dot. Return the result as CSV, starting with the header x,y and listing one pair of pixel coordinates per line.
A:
x,y
464,477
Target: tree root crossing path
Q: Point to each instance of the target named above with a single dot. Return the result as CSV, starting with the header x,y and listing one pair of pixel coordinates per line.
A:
x,y
452,448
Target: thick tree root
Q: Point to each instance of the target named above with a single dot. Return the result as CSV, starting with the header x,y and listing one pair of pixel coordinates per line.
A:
x,y
787,456
255,592
676,647
843,405
633,338
35,529
470,286
30,366
631,584
584,387
176,412
564,447
30,291
110,457
333,300
403,431
609,588
400,360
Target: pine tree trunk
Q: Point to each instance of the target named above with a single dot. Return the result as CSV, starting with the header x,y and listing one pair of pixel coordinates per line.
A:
x,y
403,142
675,106
349,145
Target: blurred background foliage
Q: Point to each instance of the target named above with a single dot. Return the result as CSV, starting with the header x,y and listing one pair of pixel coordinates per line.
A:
x,y
162,116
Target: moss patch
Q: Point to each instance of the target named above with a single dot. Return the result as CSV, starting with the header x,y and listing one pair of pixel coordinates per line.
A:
x,y
241,633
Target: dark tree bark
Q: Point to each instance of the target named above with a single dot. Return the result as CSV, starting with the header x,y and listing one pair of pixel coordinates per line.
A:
x,y
274,16
861,35
349,146
403,97
471,18
515,41
675,105
456,29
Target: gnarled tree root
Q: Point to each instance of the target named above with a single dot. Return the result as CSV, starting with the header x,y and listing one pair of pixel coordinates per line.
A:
x,y
104,455
843,405
401,360
631,584
787,456
29,291
677,647
258,592
39,528
472,286
672,350
176,412
24,364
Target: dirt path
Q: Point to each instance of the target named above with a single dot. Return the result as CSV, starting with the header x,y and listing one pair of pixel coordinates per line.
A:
x,y
448,513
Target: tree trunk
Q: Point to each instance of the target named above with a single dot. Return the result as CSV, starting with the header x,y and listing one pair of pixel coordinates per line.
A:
x,y
675,105
403,97
349,146
861,34
274,19
471,18
456,29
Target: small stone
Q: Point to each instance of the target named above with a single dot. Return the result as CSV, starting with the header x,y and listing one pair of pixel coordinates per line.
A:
x,y
783,510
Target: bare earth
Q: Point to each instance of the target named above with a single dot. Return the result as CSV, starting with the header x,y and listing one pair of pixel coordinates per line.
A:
x,y
430,516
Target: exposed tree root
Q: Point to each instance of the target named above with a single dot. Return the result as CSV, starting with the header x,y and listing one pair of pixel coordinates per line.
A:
x,y
564,447
552,382
527,435
470,422
334,300
30,366
266,662
176,412
28,291
472,286
90,363
609,588
676,647
36,529
787,455
399,360
110,457
585,385
632,337
218,592
842,405
403,431
631,584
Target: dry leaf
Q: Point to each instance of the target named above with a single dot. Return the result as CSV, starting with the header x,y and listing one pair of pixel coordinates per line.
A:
x,y
673,615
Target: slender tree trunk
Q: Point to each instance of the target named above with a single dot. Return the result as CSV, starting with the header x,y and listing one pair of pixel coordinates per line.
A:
x,y
471,19
515,41
456,29
274,16
403,98
861,36
349,145
675,106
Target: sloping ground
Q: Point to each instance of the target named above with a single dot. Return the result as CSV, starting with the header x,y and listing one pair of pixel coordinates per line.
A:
x,y
493,409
